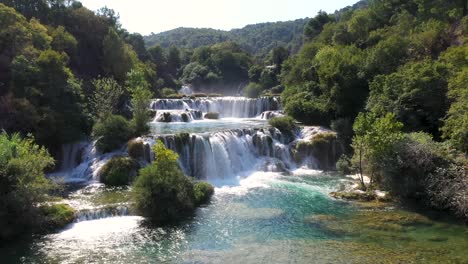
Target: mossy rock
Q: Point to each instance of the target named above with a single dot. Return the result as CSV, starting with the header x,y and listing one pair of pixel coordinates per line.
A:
x,y
57,216
215,95
196,95
184,117
118,171
166,117
136,149
202,192
212,115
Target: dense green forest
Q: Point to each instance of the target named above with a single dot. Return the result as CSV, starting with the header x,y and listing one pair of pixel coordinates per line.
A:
x,y
256,39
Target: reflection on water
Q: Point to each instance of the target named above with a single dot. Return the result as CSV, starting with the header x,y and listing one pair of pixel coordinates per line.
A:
x,y
264,218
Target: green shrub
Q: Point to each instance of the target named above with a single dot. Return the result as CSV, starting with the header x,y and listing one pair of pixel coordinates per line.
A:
x,y
111,133
118,171
165,92
22,184
175,96
253,90
196,95
136,149
285,124
212,115
57,216
343,165
306,111
202,192
277,89
161,191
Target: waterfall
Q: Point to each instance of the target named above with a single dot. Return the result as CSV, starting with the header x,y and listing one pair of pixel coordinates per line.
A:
x,y
91,162
186,90
239,107
178,115
226,154
99,213
71,155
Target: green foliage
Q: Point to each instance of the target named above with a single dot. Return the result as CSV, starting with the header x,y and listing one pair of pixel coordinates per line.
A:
x,y
141,96
22,184
374,138
166,92
415,94
222,65
202,192
161,191
136,149
343,165
119,57
253,90
285,124
456,121
111,133
106,97
258,39
118,171
57,216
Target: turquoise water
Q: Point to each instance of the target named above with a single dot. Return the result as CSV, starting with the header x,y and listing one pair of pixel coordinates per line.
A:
x,y
265,218
202,126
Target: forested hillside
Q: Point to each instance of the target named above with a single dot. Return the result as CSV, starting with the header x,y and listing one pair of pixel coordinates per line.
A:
x,y
256,39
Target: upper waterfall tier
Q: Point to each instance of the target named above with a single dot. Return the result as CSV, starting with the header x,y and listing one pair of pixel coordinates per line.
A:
x,y
240,107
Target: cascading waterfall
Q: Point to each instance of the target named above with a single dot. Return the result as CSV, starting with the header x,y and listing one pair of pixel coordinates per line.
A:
x,y
178,115
99,213
239,107
225,154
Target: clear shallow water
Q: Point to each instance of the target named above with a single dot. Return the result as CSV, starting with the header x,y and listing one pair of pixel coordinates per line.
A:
x,y
202,126
264,218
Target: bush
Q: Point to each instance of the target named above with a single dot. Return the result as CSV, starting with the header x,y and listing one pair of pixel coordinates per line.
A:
x,y
343,165
175,96
165,92
136,149
307,111
22,184
253,90
118,171
111,133
277,89
285,124
161,191
196,95
202,192
212,115
57,216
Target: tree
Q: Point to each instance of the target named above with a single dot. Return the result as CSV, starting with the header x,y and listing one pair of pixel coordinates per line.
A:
x,y
416,94
106,97
315,25
373,138
173,61
119,58
141,95
23,184
161,191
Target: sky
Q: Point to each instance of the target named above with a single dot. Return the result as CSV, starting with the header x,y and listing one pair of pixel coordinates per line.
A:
x,y
146,16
